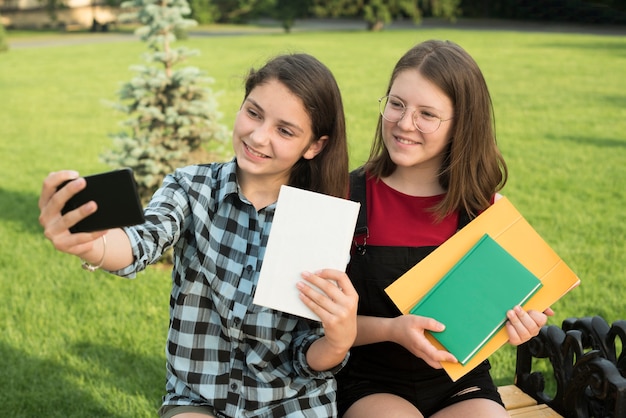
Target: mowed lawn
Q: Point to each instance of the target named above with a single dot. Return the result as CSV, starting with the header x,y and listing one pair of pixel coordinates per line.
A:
x,y
74,344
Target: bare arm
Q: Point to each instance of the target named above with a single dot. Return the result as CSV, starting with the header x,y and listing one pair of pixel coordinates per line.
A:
x,y
87,245
407,331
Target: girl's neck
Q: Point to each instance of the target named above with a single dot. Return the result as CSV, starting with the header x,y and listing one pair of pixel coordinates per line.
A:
x,y
415,181
259,190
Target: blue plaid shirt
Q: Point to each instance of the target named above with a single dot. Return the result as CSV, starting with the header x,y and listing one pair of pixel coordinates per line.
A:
x,y
222,351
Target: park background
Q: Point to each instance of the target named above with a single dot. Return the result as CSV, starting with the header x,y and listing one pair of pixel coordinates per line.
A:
x,y
92,345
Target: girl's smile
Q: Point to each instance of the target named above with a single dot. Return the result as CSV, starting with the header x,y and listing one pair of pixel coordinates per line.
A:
x,y
253,153
406,141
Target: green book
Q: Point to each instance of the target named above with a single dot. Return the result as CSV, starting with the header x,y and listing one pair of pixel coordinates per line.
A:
x,y
472,299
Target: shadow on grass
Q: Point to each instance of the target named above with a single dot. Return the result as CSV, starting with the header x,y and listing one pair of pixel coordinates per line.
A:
x,y
618,102
615,49
20,209
583,140
129,372
35,387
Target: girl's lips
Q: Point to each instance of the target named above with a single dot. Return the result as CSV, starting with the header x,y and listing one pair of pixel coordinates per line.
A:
x,y
253,152
405,141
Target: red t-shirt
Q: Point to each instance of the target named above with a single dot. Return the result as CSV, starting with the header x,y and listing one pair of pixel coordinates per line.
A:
x,y
397,219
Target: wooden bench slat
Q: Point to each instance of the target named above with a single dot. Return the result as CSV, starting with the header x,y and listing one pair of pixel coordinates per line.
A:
x,y
535,411
521,405
515,398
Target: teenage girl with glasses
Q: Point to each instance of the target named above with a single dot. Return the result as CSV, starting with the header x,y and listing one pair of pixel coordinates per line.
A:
x,y
433,166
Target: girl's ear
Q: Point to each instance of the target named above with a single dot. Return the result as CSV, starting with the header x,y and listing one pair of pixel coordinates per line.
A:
x,y
315,148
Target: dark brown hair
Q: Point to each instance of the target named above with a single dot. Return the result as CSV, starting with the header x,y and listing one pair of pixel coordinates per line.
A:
x,y
473,168
311,81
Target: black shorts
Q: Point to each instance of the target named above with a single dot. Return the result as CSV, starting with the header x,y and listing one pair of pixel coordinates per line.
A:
x,y
429,396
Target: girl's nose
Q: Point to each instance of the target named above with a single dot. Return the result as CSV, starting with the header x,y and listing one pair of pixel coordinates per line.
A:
x,y
406,123
260,135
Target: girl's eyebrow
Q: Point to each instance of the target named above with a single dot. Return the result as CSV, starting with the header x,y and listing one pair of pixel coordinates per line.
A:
x,y
280,121
418,106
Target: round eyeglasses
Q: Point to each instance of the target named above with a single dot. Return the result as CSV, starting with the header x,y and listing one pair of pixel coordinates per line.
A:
x,y
393,109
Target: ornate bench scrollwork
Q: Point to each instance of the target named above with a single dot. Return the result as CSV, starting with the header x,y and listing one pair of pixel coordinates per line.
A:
x,y
588,363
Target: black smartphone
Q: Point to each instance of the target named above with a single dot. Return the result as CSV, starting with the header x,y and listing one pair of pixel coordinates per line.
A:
x,y
115,192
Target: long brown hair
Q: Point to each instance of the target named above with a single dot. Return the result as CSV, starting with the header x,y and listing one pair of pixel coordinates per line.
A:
x,y
311,81
473,169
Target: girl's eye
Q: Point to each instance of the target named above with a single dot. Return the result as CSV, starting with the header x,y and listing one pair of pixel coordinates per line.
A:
x,y
396,104
252,113
427,115
285,132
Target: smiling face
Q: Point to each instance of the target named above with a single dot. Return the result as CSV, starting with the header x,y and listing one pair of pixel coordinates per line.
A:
x,y
407,146
272,131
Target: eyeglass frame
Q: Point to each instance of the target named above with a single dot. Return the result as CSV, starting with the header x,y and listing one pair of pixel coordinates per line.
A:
x,y
381,110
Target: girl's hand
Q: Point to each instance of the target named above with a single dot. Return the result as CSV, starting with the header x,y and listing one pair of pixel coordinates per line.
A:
x,y
523,325
56,226
336,306
408,331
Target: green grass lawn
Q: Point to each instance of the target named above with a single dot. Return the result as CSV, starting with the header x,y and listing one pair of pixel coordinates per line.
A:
x,y
74,344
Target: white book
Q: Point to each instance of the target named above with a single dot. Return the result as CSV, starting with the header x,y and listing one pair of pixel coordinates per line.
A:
x,y
311,231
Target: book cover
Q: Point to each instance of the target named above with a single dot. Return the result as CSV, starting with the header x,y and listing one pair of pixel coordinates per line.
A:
x,y
472,298
504,223
310,231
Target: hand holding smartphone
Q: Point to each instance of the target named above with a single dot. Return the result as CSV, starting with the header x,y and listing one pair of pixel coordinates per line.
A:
x,y
115,193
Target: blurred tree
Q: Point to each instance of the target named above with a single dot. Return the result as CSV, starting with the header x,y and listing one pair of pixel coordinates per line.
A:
x,y
52,6
337,8
172,112
285,11
204,11
378,13
447,9
4,45
239,11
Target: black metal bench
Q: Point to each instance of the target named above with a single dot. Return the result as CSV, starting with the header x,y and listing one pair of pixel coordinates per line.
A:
x,y
588,358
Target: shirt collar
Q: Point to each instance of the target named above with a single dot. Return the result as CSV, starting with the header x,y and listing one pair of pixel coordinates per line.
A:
x,y
227,179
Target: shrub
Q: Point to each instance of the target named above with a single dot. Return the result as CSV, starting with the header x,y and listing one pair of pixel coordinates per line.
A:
x,y
172,112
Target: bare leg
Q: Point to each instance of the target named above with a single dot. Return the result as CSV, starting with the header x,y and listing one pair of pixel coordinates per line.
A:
x,y
473,408
382,405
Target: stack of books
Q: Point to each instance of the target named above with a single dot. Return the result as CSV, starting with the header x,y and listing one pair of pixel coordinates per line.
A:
x,y
496,262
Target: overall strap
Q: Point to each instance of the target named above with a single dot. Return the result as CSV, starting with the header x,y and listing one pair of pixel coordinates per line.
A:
x,y
357,194
464,219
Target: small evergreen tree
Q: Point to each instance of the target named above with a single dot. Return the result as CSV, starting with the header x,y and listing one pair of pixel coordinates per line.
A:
x,y
172,112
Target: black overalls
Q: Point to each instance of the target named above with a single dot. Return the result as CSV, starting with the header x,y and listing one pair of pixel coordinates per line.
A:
x,y
388,367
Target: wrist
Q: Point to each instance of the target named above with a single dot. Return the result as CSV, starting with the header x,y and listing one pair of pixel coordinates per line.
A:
x,y
322,357
391,329
93,267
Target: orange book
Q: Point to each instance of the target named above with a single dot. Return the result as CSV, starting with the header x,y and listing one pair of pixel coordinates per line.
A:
x,y
509,229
